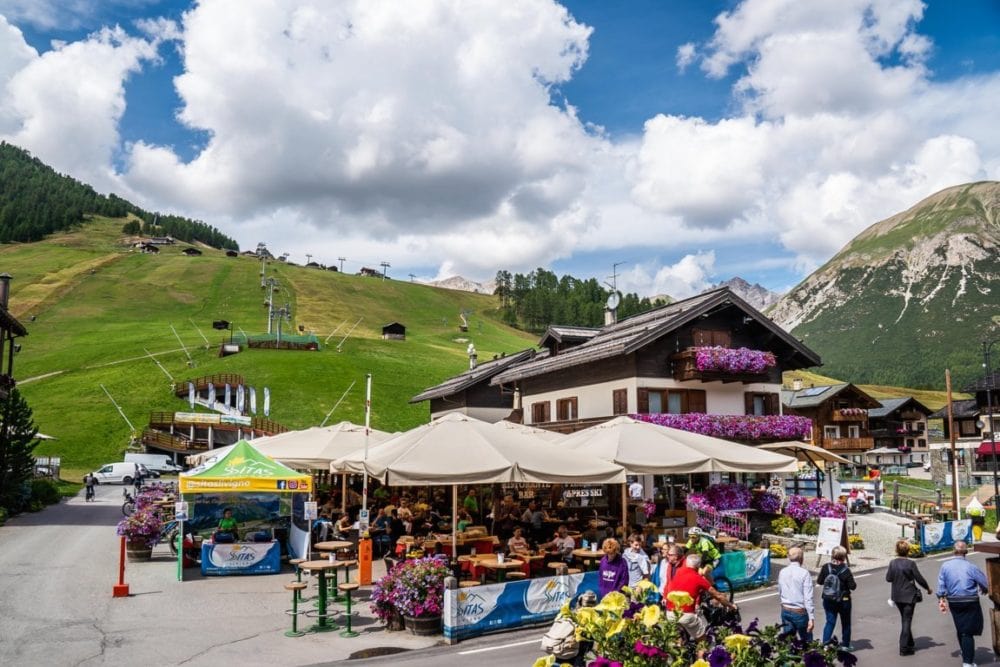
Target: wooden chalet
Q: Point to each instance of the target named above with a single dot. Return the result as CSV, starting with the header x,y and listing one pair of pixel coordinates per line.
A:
x,y
899,430
371,273
471,392
647,364
232,253
192,252
162,240
839,414
394,331
10,330
147,248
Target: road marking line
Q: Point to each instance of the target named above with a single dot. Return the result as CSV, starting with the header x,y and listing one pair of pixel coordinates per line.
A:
x,y
757,597
502,646
859,576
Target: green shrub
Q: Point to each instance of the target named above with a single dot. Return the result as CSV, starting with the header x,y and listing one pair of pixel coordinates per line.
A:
x,y
783,522
811,527
3,516
44,492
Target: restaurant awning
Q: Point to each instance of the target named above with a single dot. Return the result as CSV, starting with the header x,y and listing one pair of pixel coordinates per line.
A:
x,y
986,449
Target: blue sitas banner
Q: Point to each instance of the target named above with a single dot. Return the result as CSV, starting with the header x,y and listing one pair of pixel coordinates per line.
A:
x,y
470,612
940,536
241,558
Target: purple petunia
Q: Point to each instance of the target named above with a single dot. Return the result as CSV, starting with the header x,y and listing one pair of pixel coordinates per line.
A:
x,y
813,659
735,427
719,657
729,360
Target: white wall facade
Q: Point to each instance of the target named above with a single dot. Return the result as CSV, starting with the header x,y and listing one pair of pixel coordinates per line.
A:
x,y
490,415
595,400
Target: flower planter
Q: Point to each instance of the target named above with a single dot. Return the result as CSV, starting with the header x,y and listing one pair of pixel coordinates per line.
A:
x,y
395,623
138,551
424,625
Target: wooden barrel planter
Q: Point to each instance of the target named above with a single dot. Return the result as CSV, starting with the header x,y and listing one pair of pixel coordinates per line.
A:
x,y
424,625
138,551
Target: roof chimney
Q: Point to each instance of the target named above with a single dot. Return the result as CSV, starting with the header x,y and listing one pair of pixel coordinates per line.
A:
x,y
797,384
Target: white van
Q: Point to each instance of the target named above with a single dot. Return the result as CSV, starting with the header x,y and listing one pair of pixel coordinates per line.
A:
x,y
116,473
160,463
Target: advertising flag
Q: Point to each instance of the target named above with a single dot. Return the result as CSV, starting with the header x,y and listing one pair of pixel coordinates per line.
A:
x,y
253,399
211,395
267,401
191,394
229,396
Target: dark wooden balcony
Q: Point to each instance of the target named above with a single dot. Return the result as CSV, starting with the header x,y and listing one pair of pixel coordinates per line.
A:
x,y
684,368
848,444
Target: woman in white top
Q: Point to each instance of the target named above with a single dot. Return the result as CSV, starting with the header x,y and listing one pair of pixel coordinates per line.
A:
x,y
638,561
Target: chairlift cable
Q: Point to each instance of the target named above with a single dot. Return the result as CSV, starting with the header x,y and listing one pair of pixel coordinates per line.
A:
x,y
342,397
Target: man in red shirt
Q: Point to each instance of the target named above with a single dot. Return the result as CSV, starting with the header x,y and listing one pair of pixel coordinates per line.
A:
x,y
689,580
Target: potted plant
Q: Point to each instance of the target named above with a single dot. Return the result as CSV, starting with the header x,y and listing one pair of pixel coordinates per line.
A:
x,y
413,589
141,531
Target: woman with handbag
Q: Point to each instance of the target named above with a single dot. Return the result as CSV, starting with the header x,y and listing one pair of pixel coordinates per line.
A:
x,y
904,594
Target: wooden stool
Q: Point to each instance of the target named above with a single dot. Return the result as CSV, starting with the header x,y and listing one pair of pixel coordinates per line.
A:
x,y
573,570
298,574
559,567
467,584
346,588
296,588
515,576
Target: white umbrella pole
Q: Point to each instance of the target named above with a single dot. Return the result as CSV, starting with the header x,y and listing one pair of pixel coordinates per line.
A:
x,y
343,493
368,421
454,522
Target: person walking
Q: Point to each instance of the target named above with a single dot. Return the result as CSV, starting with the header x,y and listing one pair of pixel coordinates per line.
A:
x,y
958,588
90,482
904,576
795,590
837,596
638,561
670,561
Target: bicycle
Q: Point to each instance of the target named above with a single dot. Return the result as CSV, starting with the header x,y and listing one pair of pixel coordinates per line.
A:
x,y
128,507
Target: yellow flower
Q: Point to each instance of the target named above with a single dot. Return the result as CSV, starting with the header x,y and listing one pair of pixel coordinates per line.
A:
x,y
700,662
616,628
614,602
645,585
680,598
564,610
650,615
736,642
547,661
586,615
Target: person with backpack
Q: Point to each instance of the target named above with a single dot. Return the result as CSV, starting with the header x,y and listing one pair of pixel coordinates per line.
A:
x,y
561,641
90,482
837,581
701,543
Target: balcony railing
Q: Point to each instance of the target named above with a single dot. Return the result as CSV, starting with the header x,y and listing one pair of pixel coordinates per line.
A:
x,y
849,444
684,365
849,415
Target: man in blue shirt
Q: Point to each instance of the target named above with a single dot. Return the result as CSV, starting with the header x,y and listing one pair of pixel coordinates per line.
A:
x,y
959,585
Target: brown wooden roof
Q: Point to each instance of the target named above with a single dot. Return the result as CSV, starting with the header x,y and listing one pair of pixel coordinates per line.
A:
x,y
636,332
480,373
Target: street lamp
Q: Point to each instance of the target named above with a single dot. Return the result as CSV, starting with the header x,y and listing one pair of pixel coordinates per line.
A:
x,y
987,346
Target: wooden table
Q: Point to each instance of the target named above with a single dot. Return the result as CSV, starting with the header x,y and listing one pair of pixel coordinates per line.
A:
x,y
725,542
501,568
588,556
334,545
321,566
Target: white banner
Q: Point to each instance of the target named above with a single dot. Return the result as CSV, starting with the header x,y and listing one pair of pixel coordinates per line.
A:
x,y
229,397
239,399
211,394
191,394
267,401
253,399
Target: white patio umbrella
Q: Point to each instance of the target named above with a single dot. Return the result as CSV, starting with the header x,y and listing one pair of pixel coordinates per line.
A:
x,y
458,449
551,436
809,454
642,447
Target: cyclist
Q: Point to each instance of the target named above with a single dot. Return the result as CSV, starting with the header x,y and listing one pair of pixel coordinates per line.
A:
x,y
701,543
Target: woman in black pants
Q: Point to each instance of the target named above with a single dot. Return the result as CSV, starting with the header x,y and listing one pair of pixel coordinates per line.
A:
x,y
904,577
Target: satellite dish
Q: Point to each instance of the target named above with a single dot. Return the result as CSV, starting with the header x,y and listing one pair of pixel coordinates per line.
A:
x,y
613,300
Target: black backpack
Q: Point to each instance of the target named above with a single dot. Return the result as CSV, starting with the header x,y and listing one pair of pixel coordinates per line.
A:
x,y
833,587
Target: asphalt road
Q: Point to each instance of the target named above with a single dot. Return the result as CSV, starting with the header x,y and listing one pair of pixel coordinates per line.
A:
x,y
57,568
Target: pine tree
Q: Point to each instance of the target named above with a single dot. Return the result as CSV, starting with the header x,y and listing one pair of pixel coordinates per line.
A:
x,y
17,441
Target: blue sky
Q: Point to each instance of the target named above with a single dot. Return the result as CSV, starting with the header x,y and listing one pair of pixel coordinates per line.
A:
x,y
693,141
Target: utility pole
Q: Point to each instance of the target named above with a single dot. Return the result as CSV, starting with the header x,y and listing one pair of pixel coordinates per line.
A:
x,y
283,313
988,378
384,265
261,247
341,263
272,284
309,259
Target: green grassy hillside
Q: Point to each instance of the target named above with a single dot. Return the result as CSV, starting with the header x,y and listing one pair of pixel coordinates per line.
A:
x,y
99,307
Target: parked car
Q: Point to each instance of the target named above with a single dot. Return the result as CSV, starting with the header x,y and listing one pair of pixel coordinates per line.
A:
x,y
158,463
116,473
